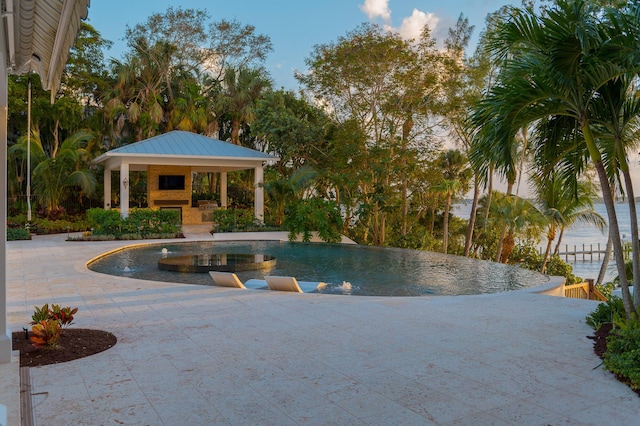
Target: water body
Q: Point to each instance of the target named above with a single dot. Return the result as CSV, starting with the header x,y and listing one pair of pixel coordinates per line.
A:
x,y
580,234
345,268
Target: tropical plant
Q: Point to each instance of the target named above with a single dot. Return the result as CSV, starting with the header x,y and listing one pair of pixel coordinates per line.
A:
x,y
553,66
239,91
623,350
313,214
605,312
456,175
48,324
56,173
45,334
225,220
518,217
563,206
282,191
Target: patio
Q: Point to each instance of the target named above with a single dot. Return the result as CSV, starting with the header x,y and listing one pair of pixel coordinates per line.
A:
x,y
205,355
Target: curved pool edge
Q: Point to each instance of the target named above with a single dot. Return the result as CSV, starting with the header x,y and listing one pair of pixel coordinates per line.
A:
x,y
553,286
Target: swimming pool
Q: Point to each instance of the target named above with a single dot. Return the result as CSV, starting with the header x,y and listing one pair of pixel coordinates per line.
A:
x,y
346,268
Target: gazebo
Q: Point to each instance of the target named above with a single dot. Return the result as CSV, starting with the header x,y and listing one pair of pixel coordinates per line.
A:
x,y
170,160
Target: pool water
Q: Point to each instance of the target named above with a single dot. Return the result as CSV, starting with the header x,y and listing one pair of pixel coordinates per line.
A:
x,y
346,269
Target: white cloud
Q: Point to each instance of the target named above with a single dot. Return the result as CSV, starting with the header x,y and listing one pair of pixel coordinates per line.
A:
x,y
412,26
376,8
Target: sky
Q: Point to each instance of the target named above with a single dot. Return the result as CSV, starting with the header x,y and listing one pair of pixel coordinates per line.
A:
x,y
296,26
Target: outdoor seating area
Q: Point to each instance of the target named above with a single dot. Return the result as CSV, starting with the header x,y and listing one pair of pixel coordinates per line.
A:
x,y
274,283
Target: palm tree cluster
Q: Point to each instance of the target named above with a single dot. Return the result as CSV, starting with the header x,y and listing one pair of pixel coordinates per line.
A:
x,y
566,79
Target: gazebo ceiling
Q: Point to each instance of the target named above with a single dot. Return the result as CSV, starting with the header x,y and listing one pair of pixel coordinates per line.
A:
x,y
39,36
180,148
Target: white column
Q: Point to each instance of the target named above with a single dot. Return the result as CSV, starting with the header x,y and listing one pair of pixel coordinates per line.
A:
x,y
258,203
124,190
223,189
5,336
107,189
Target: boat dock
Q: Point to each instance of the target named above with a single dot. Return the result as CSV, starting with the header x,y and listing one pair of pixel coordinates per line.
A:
x,y
589,252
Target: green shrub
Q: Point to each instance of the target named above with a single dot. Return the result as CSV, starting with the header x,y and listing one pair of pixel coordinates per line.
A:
x,y
104,222
41,225
605,312
623,350
226,220
527,256
313,214
15,234
140,224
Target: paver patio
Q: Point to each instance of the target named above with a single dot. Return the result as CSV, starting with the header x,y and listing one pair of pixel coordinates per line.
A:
x,y
196,355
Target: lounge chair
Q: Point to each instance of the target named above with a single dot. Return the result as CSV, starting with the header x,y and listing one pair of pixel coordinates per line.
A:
x,y
283,284
226,279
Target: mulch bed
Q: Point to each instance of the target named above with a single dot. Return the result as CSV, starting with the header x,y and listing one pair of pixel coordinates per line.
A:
x,y
600,347
74,343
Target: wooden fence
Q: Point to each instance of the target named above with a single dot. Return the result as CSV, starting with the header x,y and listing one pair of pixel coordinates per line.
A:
x,y
585,290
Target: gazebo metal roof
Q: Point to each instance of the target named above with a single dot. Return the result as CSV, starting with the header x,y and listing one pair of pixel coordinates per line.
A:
x,y
184,148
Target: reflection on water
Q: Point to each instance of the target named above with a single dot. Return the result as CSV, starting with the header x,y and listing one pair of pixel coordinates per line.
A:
x,y
346,269
581,234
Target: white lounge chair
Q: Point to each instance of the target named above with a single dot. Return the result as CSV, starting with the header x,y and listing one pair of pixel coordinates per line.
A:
x,y
283,284
226,279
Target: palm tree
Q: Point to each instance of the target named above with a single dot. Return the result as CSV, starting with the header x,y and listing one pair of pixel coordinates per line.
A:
x,y
288,189
240,90
617,123
456,175
563,207
55,175
553,66
138,94
518,216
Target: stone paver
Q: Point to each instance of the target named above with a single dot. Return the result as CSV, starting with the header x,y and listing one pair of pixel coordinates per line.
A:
x,y
204,355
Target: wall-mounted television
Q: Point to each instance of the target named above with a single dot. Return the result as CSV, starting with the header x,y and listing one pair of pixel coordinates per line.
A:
x,y
171,182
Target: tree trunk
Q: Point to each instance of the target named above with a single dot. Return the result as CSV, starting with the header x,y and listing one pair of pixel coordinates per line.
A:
x,y
445,224
550,237
472,217
509,244
607,252
613,219
503,233
235,133
635,244
557,249
489,194
605,261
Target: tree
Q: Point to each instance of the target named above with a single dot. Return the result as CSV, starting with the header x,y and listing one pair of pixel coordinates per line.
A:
x,y
85,75
55,174
138,95
237,99
235,46
377,84
518,216
553,66
455,180
563,207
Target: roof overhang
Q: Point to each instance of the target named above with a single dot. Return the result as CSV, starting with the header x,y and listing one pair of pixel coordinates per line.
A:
x,y
140,162
39,34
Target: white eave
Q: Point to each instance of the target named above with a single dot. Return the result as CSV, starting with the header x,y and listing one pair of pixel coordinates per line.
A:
x,y
39,36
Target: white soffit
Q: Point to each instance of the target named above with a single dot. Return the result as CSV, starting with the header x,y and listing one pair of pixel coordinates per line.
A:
x,y
40,34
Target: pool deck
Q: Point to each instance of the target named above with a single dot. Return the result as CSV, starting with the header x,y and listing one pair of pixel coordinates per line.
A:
x,y
196,355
